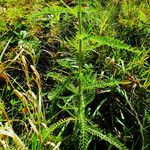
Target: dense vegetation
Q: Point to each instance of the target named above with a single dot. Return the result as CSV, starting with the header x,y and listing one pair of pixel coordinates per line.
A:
x,y
75,74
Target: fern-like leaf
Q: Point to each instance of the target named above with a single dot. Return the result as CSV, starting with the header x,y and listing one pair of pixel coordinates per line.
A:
x,y
65,84
55,92
55,126
101,84
84,137
59,123
109,138
109,41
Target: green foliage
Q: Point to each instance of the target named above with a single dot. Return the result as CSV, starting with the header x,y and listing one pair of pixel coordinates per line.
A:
x,y
73,73
83,137
54,126
109,138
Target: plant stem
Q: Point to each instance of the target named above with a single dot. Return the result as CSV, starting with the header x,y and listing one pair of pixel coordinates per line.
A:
x,y
80,56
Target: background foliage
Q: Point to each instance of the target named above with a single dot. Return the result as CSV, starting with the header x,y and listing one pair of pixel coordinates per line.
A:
x,y
74,75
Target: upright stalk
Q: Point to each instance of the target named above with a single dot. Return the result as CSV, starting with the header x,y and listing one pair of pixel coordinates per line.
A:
x,y
80,57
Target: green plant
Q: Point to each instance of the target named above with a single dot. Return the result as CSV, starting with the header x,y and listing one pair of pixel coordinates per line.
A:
x,y
67,82
86,85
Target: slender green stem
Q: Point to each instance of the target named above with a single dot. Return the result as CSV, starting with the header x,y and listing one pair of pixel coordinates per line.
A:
x,y
80,40
80,56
